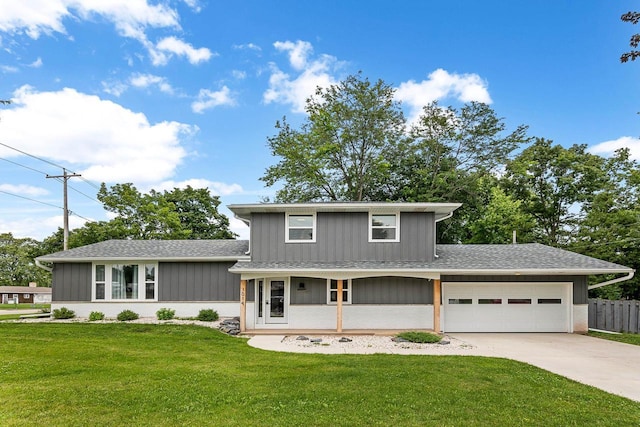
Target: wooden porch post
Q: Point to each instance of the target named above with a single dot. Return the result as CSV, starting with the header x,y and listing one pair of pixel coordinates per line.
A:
x,y
436,305
243,305
339,307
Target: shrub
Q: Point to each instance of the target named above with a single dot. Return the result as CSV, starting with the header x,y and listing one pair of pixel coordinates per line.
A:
x,y
419,337
207,315
126,315
63,313
165,314
96,315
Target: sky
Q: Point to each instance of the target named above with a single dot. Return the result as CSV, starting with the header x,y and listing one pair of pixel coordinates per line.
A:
x,y
170,93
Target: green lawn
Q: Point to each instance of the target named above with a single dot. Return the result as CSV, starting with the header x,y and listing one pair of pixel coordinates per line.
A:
x,y
23,306
170,375
626,338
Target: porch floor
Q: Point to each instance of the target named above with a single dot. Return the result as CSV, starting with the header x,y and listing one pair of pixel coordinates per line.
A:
x,y
379,332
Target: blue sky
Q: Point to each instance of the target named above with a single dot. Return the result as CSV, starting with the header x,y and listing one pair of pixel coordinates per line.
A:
x,y
165,94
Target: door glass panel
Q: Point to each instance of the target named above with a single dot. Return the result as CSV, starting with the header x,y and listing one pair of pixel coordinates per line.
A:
x,y
489,301
260,297
276,299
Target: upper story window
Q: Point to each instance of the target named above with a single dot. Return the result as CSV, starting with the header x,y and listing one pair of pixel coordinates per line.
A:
x,y
116,282
301,228
384,227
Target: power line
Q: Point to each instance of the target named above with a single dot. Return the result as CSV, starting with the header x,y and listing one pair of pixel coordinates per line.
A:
x,y
23,166
31,155
32,200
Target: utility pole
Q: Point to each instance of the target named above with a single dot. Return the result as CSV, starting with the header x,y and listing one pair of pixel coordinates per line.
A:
x,y
65,177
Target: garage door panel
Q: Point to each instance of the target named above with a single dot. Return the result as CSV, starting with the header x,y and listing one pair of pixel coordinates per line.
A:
x,y
506,307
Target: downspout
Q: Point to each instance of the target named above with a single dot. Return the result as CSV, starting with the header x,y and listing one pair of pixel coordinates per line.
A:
x,y
44,267
248,222
612,281
447,216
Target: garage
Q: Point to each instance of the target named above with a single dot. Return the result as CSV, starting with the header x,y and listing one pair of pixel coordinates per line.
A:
x,y
506,307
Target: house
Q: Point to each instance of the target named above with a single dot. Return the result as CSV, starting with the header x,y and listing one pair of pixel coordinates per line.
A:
x,y
340,267
25,294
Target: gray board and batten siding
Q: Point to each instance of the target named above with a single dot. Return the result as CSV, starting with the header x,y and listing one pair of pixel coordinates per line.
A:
x,y
71,282
371,290
198,281
342,236
177,281
580,292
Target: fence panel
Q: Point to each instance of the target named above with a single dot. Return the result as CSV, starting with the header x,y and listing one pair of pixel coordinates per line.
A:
x,y
616,316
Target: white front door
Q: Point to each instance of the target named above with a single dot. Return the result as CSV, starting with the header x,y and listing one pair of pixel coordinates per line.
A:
x,y
276,301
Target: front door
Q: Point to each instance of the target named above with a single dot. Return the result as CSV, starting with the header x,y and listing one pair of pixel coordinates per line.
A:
x,y
276,301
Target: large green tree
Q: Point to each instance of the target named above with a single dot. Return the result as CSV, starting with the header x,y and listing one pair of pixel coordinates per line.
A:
x,y
342,150
453,155
553,182
17,266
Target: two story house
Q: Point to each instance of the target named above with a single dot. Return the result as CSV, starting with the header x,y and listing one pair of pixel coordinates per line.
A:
x,y
340,267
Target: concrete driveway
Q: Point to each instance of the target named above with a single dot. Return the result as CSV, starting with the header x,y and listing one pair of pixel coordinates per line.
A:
x,y
607,365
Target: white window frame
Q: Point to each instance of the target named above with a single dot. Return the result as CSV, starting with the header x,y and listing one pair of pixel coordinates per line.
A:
x,y
314,220
349,291
142,281
371,227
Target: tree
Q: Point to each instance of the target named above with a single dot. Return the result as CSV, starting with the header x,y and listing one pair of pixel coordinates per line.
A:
x,y
342,150
553,182
501,216
452,155
17,266
610,228
633,18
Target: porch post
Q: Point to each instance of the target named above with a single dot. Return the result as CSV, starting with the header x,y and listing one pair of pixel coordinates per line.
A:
x,y
243,305
339,307
436,306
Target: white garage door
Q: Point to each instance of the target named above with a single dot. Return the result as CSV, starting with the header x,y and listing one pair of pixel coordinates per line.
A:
x,y
506,307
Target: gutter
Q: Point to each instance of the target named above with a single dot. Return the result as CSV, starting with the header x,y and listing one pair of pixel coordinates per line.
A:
x,y
44,267
435,229
611,282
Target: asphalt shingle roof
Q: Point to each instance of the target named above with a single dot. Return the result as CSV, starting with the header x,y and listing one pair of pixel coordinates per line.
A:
x,y
154,249
454,259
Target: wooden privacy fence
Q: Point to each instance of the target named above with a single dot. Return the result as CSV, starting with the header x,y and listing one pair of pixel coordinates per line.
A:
x,y
616,316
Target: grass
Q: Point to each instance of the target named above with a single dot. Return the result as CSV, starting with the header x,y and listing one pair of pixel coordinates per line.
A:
x,y
626,338
156,375
23,306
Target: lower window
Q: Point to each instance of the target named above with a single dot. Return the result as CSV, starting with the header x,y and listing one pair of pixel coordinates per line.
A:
x,y
123,282
332,290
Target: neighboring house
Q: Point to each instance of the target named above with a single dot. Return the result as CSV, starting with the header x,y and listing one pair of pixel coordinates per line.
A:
x,y
337,266
25,294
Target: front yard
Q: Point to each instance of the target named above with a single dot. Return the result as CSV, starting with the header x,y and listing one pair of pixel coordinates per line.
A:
x,y
155,375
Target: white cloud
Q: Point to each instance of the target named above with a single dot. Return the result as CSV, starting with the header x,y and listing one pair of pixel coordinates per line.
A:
x,y
440,85
239,227
24,190
209,99
248,46
239,75
170,46
37,63
114,88
101,139
131,18
298,52
609,147
8,69
216,188
286,89
145,80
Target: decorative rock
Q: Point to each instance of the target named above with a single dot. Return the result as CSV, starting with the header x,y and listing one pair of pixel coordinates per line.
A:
x,y
302,338
399,339
345,339
315,340
444,342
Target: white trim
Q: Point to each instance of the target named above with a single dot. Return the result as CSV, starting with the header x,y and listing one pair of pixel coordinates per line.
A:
x,y
287,227
396,227
148,260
